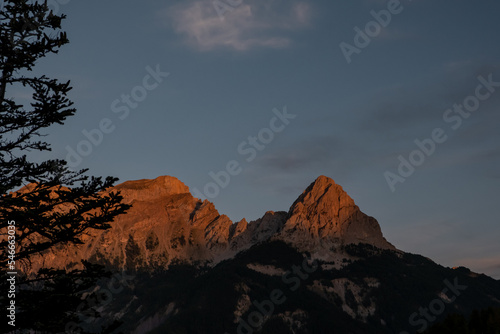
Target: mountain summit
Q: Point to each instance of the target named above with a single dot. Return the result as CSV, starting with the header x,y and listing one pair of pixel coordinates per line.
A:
x,y
325,214
151,189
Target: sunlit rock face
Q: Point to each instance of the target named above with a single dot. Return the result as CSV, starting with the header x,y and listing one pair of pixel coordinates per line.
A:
x,y
166,225
325,214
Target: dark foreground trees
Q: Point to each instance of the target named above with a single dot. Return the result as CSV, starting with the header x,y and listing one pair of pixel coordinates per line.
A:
x,y
485,321
56,206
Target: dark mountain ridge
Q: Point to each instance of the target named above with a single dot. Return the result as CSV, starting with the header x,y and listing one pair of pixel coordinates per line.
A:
x,y
322,267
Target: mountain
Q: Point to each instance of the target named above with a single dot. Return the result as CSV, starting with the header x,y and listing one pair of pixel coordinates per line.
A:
x,y
322,267
166,224
325,215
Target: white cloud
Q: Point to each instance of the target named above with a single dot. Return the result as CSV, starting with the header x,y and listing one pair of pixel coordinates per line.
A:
x,y
244,27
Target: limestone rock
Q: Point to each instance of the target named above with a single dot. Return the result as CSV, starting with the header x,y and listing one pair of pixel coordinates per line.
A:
x,y
166,224
325,214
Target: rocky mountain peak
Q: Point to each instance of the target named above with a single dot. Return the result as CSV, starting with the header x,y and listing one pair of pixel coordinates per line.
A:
x,y
326,214
323,200
145,190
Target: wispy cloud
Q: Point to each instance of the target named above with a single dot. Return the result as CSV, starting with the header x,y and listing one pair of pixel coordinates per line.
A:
x,y
247,26
393,34
319,150
406,111
289,166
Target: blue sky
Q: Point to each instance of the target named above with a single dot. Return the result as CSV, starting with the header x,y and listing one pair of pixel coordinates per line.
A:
x,y
352,119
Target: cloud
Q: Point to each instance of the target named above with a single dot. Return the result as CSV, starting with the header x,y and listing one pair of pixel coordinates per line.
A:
x,y
289,166
244,27
406,112
297,156
396,34
302,12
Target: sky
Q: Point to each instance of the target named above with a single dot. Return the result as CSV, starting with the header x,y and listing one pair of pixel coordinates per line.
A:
x,y
398,102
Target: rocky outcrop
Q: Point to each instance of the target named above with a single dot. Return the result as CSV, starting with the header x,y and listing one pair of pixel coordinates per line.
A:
x,y
166,224
325,214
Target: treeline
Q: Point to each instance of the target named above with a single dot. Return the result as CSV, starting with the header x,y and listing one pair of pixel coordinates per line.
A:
x,y
486,321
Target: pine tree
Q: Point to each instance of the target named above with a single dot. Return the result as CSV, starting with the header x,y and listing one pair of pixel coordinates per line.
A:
x,y
56,206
